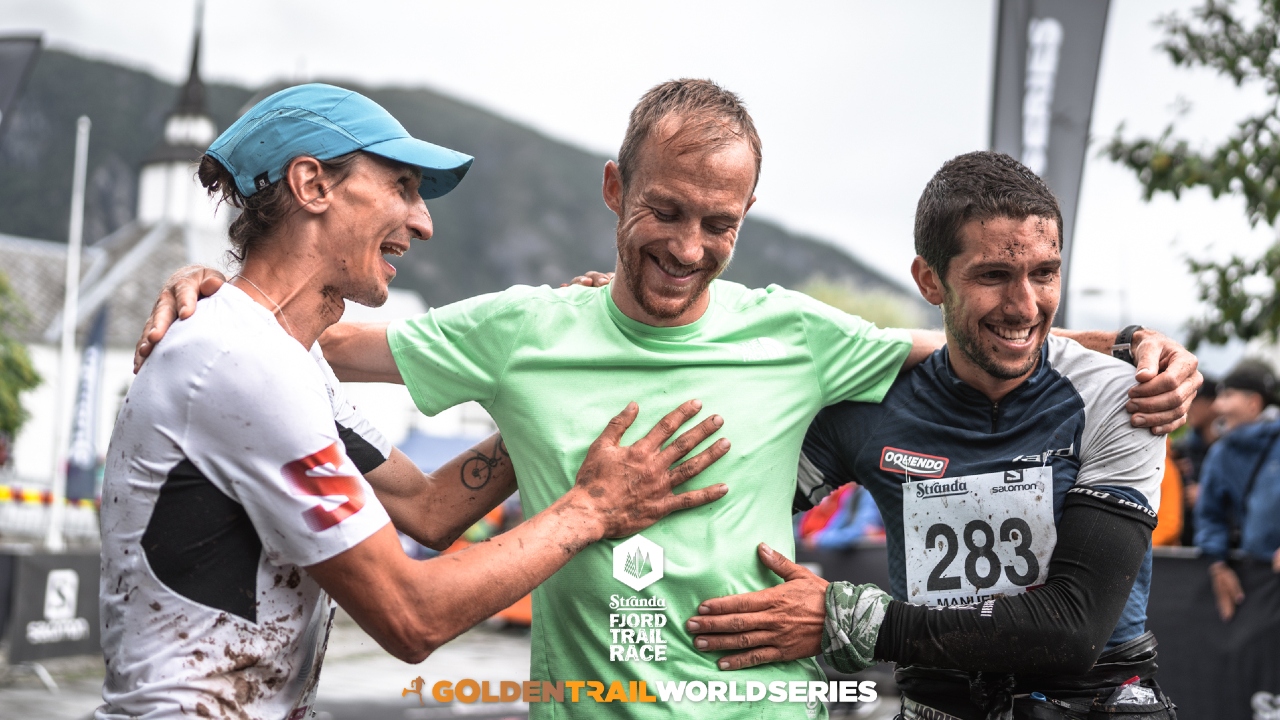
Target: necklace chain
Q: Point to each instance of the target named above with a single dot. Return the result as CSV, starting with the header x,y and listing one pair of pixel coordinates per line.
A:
x,y
273,302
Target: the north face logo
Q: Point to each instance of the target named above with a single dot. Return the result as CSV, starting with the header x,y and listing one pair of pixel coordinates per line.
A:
x,y
762,349
638,562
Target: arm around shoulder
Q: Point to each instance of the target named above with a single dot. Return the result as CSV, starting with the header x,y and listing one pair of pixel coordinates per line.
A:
x,y
359,352
1167,373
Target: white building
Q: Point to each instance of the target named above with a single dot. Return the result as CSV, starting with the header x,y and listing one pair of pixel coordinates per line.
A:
x,y
175,225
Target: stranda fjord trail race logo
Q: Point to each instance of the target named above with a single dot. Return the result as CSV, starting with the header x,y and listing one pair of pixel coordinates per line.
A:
x,y
637,563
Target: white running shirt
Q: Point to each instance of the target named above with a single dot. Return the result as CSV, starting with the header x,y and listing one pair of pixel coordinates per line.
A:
x,y
230,469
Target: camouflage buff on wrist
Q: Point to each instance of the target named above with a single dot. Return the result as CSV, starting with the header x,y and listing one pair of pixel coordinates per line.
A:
x,y
854,615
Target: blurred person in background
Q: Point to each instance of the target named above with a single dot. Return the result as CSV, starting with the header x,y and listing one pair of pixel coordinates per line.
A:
x,y
812,521
1169,518
1192,445
1189,449
855,518
1239,503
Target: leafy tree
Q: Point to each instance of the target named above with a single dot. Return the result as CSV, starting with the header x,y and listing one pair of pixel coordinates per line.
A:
x,y
16,372
1242,294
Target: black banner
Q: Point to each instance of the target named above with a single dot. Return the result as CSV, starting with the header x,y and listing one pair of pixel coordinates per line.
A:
x,y
8,568
1212,670
1215,670
17,57
1046,69
55,607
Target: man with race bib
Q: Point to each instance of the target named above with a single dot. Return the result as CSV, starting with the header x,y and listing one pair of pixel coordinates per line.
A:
x,y
1018,499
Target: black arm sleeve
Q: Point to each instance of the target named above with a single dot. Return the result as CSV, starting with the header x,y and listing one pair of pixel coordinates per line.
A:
x,y
1059,628
366,457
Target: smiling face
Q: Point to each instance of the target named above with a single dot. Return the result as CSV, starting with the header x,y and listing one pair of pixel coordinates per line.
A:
x,y
998,299
376,213
678,220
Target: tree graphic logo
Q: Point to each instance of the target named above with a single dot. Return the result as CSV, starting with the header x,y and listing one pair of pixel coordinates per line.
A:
x,y
637,563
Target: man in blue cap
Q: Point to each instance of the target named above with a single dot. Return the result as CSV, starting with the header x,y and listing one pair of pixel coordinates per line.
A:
x,y
237,496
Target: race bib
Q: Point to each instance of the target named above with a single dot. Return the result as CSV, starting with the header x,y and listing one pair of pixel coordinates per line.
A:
x,y
968,539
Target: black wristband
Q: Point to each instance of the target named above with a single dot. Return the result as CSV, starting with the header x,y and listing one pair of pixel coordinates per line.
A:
x,y
1123,349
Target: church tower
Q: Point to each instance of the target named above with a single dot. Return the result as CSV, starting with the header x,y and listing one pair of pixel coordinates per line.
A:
x,y
168,190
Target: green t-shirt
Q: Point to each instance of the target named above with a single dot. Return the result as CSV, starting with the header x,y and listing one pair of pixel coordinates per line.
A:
x,y
553,366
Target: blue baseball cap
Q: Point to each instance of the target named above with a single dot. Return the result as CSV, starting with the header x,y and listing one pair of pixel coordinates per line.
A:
x,y
324,122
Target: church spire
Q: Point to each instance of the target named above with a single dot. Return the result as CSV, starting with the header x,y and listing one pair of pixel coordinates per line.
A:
x,y
191,100
189,128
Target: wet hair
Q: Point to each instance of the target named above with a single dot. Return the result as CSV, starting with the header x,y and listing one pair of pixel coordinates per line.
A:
x,y
264,212
977,186
707,114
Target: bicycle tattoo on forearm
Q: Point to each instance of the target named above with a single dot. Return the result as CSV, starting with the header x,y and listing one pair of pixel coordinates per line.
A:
x,y
478,471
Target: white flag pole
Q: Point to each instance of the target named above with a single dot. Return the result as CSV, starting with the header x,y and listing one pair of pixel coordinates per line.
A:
x,y
54,541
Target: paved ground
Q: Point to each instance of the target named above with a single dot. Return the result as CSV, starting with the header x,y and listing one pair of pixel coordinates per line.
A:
x,y
359,681
79,680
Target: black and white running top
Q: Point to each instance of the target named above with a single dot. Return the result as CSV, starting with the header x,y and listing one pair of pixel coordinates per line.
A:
x,y
972,491
235,462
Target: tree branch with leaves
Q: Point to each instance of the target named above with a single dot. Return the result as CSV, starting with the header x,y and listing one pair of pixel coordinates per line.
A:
x,y
16,372
1242,294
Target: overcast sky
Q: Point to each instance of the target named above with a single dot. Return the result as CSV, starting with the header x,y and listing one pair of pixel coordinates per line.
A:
x,y
858,103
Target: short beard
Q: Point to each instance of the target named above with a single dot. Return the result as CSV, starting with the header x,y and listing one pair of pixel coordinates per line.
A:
x,y
972,349
373,297
632,266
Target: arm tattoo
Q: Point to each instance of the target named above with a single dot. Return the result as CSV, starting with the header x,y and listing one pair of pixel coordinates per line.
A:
x,y
477,471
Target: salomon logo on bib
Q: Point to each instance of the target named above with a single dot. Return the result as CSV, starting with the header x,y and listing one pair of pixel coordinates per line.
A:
x,y
895,461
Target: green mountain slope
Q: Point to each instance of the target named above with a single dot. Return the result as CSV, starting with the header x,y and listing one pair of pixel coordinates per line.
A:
x,y
529,212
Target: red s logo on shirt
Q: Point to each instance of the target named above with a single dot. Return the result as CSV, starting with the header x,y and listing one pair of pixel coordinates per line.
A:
x,y
299,475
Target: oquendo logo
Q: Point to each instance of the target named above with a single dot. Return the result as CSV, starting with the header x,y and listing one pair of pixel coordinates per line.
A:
x,y
897,460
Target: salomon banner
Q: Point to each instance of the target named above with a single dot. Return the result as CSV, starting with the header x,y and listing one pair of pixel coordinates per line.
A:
x,y
17,57
1212,669
1046,69
55,606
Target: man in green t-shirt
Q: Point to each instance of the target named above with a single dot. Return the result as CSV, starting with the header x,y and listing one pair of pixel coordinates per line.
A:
x,y
549,365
